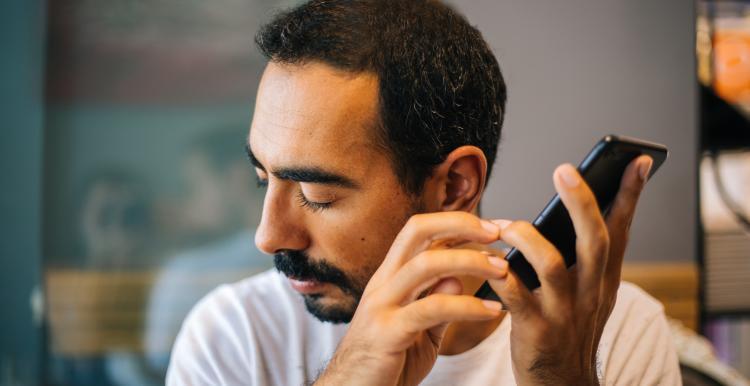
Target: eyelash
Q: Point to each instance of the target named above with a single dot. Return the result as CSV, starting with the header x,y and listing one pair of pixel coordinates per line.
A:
x,y
301,199
312,205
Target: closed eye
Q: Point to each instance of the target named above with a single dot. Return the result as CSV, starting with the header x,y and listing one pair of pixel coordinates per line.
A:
x,y
312,205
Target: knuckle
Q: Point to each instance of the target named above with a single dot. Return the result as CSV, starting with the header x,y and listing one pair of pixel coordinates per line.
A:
x,y
601,241
425,311
415,222
470,220
552,266
591,299
589,204
620,221
410,321
479,259
462,219
422,263
460,215
524,226
413,228
602,232
418,313
606,241
517,228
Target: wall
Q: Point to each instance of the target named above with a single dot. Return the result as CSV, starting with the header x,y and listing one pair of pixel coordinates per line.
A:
x,y
577,70
21,34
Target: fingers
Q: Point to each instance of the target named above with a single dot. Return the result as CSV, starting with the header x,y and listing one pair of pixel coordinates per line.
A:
x,y
449,286
440,309
423,229
592,236
623,209
429,267
517,299
547,263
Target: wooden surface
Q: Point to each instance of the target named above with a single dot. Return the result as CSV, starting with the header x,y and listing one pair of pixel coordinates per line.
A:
x,y
93,312
673,284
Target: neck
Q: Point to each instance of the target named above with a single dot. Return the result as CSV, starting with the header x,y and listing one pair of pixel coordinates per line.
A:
x,y
462,336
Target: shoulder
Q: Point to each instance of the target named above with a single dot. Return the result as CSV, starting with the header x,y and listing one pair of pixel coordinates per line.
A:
x,y
634,311
634,301
636,345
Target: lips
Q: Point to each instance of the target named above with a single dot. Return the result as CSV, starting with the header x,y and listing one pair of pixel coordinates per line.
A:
x,y
304,286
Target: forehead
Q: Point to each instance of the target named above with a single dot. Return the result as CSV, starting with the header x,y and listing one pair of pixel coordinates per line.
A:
x,y
313,114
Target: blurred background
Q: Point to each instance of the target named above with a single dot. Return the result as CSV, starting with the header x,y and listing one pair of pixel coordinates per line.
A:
x,y
126,195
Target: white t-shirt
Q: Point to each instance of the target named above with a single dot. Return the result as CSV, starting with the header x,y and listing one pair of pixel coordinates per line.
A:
x,y
258,332
175,290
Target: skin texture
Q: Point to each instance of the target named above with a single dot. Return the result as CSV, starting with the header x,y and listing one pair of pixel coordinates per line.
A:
x,y
314,116
420,270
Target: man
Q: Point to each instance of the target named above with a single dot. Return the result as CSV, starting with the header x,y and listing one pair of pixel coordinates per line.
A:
x,y
375,130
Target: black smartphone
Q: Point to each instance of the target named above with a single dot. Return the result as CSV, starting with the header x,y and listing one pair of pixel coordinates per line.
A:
x,y
602,169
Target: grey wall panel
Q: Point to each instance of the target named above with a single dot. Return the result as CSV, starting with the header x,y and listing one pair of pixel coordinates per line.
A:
x,y
577,70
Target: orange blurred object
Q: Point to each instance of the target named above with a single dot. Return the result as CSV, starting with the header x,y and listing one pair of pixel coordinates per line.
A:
x,y
732,65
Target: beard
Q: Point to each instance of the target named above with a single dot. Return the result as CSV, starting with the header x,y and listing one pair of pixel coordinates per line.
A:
x,y
296,264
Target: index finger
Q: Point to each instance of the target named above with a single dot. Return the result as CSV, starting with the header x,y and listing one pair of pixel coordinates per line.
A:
x,y
422,230
592,237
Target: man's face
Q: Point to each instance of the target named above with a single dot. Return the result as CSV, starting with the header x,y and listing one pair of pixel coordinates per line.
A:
x,y
333,204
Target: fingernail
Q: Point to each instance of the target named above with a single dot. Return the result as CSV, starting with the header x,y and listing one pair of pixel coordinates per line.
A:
x,y
569,176
644,168
502,223
497,262
493,305
489,226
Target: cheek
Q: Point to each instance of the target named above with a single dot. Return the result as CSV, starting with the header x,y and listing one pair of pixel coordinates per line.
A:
x,y
361,234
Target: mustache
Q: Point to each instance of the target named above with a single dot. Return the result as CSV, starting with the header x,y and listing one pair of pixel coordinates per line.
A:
x,y
298,265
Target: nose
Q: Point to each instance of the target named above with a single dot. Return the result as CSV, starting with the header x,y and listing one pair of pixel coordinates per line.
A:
x,y
279,227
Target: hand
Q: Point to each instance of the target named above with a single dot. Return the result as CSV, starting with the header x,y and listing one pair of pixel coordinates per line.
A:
x,y
395,334
555,330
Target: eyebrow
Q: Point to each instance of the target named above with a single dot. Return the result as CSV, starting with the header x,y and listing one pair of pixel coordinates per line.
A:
x,y
313,175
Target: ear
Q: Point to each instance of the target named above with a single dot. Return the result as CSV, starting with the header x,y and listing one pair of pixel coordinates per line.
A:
x,y
458,182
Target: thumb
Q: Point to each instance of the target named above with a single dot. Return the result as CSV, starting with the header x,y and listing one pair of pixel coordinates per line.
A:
x,y
517,299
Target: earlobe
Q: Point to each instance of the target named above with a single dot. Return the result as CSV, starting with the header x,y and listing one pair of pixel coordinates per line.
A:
x,y
464,172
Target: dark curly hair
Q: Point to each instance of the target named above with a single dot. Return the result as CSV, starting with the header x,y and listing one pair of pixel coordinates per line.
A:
x,y
440,86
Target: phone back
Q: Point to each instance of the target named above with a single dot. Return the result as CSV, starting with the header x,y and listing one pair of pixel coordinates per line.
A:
x,y
602,169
